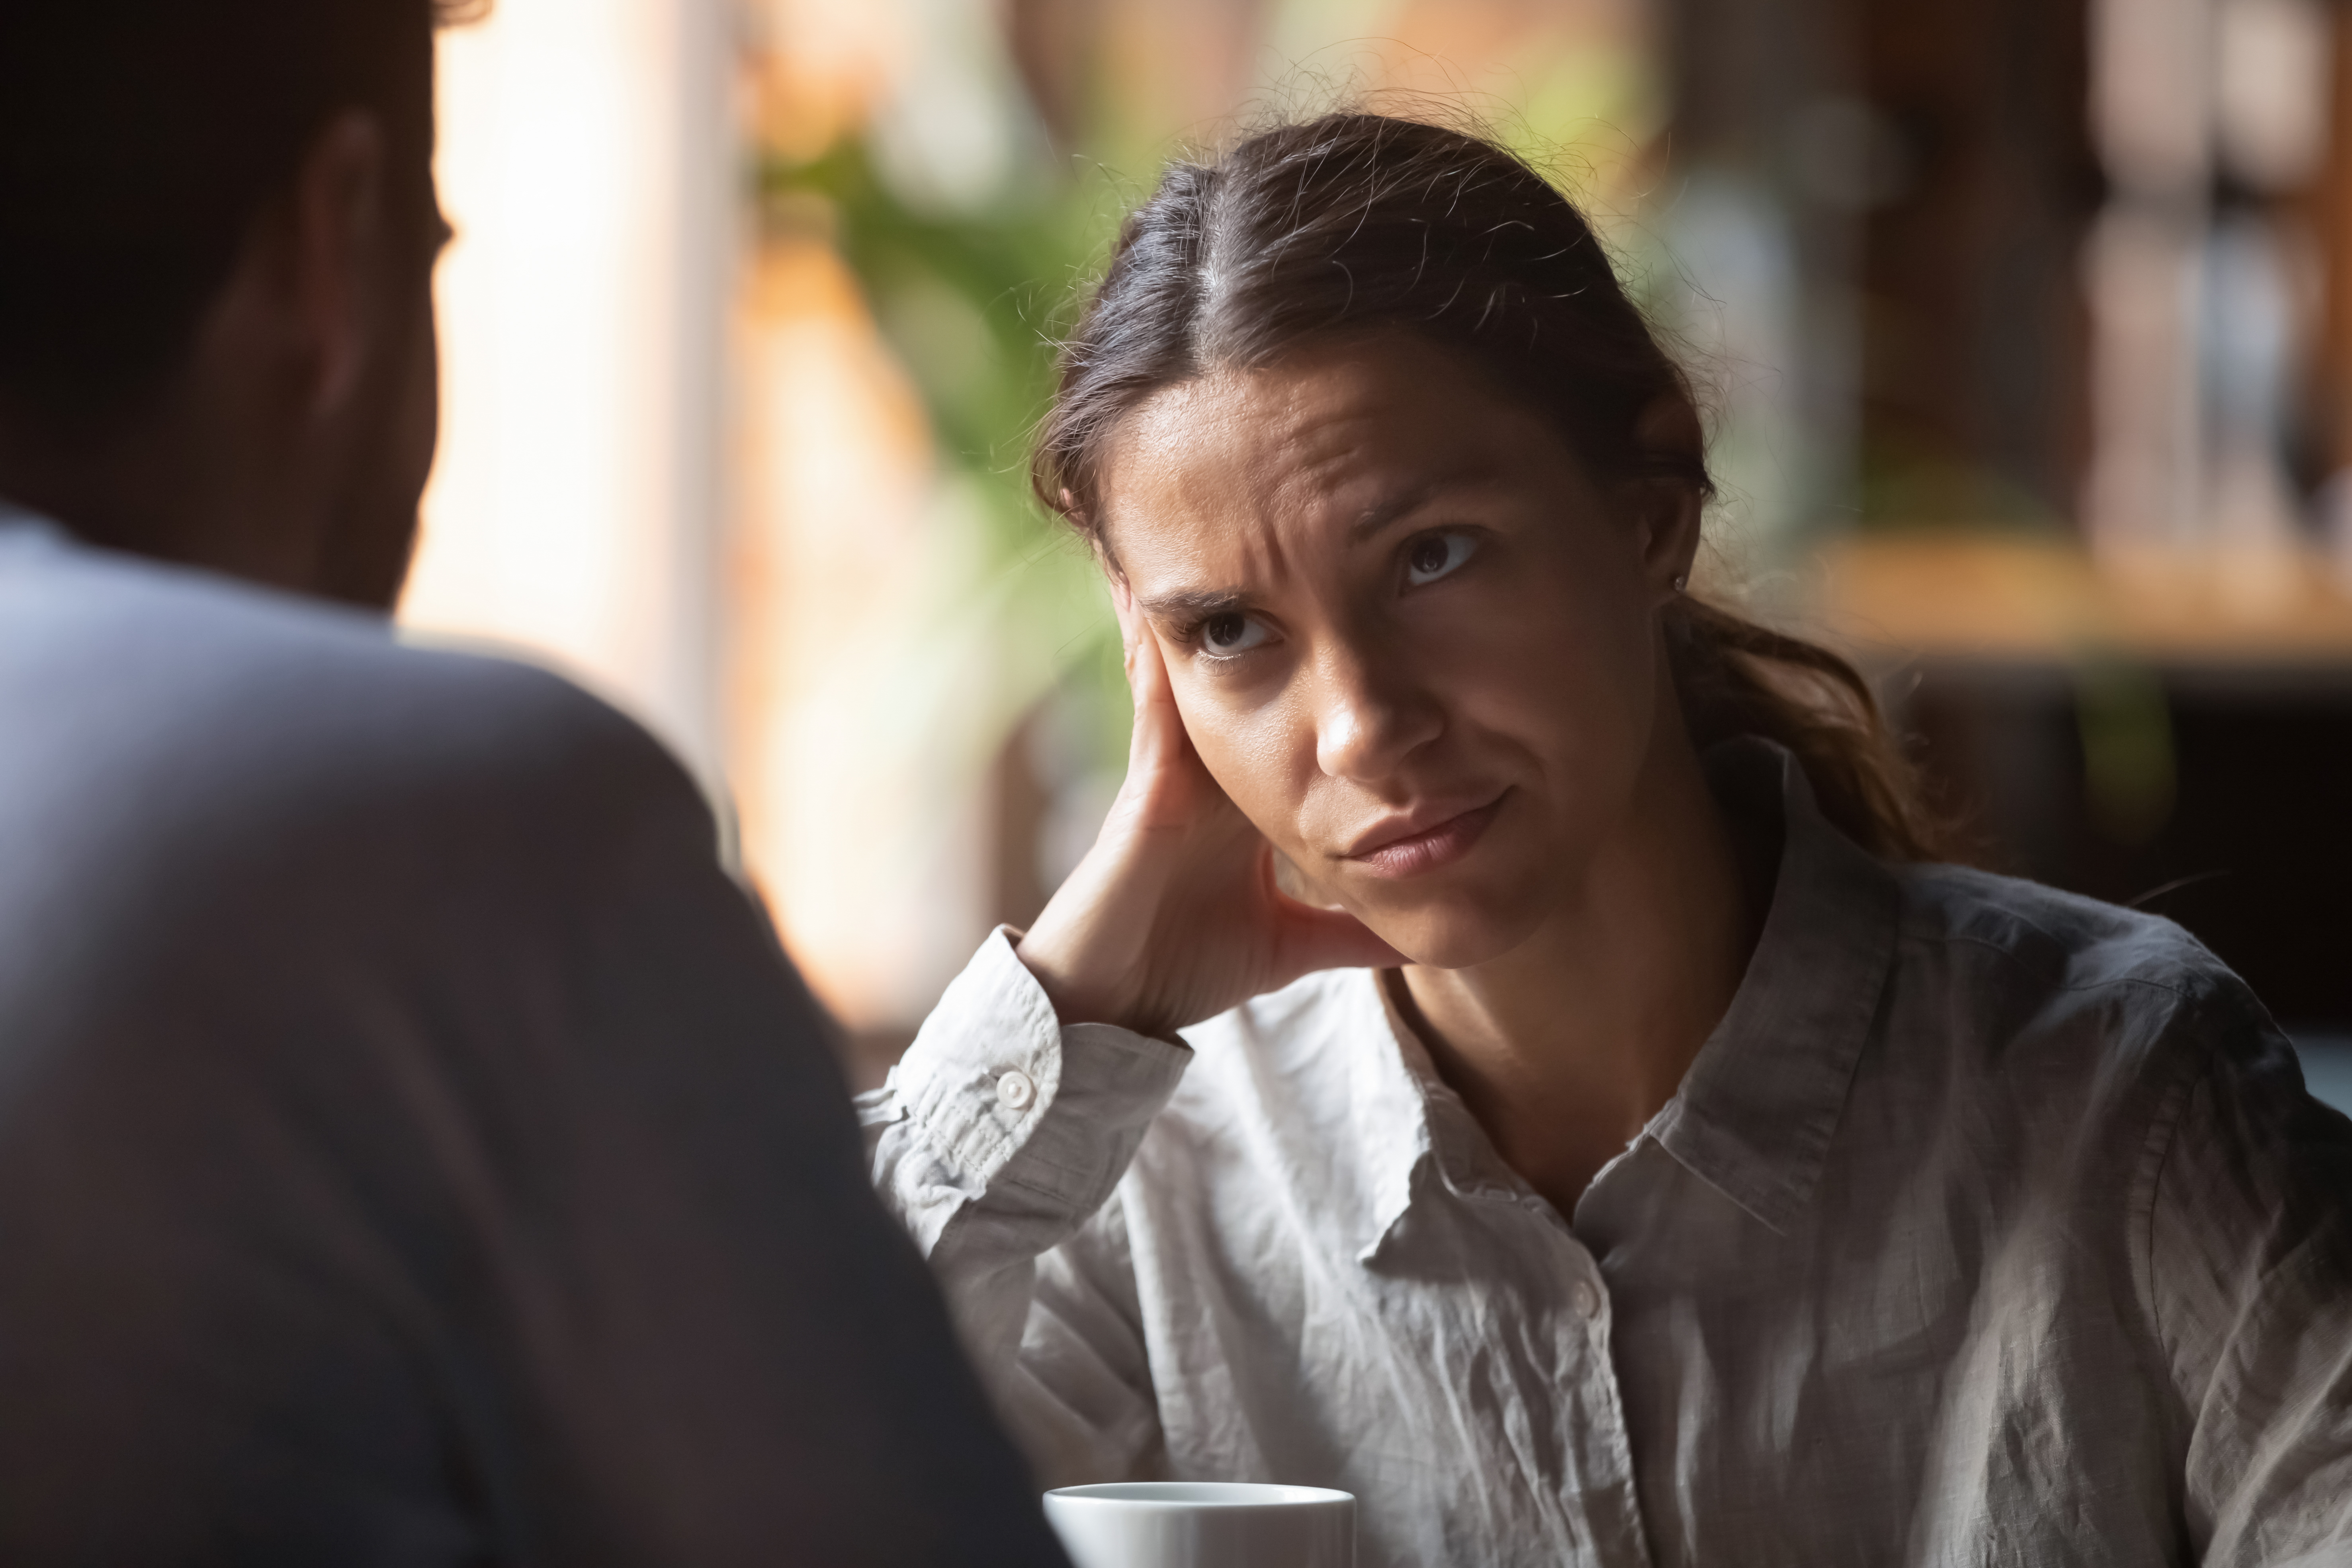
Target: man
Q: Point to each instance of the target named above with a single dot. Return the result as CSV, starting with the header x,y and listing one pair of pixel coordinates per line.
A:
x,y
414,1148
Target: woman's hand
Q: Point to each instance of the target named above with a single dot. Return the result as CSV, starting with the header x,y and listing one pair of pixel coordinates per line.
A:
x,y
1173,915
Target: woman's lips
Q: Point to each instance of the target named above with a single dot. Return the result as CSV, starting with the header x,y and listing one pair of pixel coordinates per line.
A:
x,y
1440,844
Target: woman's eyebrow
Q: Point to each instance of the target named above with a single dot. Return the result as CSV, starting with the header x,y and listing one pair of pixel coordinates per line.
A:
x,y
1411,499
1198,603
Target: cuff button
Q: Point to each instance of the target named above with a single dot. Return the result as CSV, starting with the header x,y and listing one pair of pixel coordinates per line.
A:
x,y
1016,1089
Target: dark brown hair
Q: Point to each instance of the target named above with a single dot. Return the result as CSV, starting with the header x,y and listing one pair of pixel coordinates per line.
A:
x,y
138,141
1355,222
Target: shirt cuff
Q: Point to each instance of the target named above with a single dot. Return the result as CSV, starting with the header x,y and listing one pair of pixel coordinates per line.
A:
x,y
1003,1091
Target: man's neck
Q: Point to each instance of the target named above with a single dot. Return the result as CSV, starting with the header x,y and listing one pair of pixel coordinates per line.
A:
x,y
177,485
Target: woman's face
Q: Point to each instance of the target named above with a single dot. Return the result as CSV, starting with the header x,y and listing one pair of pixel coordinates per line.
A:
x,y
1409,638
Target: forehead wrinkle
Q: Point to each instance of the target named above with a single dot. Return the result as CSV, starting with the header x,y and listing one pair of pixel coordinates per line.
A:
x,y
1245,557
1240,476
1205,473
1345,458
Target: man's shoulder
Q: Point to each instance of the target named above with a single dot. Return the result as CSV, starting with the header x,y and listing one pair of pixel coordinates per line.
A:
x,y
85,622
149,698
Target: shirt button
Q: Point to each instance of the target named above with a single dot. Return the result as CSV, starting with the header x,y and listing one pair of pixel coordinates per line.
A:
x,y
1016,1089
1587,1299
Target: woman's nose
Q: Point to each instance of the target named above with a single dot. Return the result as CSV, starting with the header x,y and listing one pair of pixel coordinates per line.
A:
x,y
1370,715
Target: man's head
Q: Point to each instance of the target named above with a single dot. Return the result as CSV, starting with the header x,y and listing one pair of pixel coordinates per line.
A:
x,y
216,233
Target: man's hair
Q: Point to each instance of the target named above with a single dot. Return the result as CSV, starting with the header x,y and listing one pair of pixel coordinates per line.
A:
x,y
139,140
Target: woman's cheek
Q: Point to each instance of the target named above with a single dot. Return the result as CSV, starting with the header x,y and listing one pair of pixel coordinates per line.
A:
x,y
1255,760
1588,672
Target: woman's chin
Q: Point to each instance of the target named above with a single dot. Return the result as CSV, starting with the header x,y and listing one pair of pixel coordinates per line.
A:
x,y
1452,933
1463,915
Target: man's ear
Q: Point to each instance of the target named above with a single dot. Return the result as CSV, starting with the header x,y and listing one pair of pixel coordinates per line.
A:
x,y
303,306
339,232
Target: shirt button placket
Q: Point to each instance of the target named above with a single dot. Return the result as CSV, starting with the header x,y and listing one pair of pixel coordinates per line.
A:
x,y
1624,1540
1617,1530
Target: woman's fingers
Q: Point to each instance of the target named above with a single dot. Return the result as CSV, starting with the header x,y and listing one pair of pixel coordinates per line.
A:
x,y
1161,761
1167,920
1155,696
1122,606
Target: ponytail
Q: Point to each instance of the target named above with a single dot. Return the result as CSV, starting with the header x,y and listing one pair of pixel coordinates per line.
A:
x,y
1735,678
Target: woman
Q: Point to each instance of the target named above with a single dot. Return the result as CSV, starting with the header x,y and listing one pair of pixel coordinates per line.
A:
x,y
1631,1148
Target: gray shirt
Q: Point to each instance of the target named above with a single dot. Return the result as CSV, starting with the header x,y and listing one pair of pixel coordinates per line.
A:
x,y
413,1147
1991,1225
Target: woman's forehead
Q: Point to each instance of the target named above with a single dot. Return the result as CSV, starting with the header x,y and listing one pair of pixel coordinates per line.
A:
x,y
1314,438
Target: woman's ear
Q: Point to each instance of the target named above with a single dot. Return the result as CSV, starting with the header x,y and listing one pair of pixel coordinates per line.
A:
x,y
1668,510
1669,538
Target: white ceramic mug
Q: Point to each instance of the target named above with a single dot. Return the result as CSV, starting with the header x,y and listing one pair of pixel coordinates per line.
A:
x,y
1203,1524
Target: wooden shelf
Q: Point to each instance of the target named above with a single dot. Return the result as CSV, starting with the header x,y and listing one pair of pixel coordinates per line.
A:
x,y
2018,598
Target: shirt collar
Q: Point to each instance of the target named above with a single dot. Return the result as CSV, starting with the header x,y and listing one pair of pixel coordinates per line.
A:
x,y
1414,1127
1758,1109
1761,1103
1396,1102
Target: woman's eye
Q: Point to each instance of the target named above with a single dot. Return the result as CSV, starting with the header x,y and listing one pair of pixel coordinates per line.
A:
x,y
1433,557
1230,633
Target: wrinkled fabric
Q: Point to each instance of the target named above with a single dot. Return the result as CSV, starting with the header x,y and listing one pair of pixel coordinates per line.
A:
x,y
1990,1226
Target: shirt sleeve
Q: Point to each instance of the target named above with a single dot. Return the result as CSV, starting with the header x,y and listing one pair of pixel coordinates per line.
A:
x,y
1000,1142
2250,1275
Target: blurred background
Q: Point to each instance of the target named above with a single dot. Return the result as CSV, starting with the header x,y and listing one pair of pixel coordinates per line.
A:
x,y
2025,329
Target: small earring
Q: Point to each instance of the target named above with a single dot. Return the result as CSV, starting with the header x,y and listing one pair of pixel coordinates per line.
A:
x,y
1682,580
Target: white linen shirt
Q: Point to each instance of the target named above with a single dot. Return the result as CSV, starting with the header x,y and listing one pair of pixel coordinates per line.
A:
x,y
1991,1225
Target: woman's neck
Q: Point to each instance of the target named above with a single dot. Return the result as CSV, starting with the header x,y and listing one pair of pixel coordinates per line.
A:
x,y
1566,1046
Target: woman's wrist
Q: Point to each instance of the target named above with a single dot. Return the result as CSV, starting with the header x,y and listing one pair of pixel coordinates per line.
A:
x,y
1074,999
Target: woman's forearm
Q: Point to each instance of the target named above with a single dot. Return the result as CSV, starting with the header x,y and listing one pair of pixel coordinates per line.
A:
x,y
999,1138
